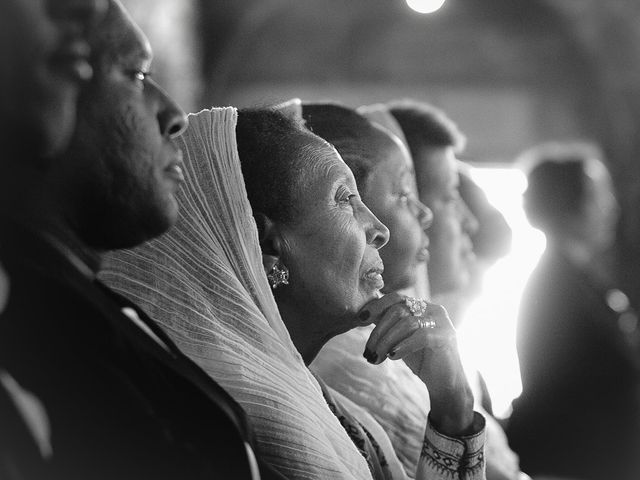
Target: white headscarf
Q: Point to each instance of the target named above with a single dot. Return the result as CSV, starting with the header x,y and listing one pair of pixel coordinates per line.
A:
x,y
204,282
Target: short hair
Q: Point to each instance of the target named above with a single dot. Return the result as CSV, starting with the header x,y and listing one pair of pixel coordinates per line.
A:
x,y
426,126
356,139
271,161
557,179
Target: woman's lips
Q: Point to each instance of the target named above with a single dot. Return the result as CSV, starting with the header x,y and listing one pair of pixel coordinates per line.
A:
x,y
373,277
423,254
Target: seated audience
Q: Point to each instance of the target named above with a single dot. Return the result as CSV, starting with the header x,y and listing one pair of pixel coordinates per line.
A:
x,y
383,172
318,244
434,140
90,387
389,392
579,414
327,257
205,282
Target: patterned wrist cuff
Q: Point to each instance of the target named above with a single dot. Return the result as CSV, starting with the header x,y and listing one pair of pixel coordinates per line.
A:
x,y
455,457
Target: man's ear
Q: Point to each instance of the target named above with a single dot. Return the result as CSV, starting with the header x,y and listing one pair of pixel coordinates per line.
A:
x,y
270,241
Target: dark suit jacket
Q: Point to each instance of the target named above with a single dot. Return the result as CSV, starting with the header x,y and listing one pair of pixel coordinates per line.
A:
x,y
118,404
579,412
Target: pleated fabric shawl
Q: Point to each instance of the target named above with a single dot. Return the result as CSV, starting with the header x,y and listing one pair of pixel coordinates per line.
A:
x,y
204,282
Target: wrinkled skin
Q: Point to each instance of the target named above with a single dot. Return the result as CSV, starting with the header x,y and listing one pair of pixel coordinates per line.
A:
x,y
331,251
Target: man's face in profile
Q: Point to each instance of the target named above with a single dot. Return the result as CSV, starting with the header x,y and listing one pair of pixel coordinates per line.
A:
x,y
122,168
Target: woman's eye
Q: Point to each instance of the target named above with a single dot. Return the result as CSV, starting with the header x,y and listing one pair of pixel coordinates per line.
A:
x,y
346,199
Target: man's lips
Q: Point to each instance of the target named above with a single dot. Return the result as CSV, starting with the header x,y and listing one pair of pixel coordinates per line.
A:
x,y
174,168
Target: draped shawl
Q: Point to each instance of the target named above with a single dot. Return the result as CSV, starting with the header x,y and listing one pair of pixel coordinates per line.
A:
x,y
204,282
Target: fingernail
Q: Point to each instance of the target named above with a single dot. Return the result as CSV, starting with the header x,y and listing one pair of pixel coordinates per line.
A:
x,y
371,357
364,315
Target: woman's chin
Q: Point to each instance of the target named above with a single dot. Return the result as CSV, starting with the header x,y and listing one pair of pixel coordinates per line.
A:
x,y
399,282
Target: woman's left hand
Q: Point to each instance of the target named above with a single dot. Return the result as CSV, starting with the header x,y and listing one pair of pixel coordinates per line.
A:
x,y
426,341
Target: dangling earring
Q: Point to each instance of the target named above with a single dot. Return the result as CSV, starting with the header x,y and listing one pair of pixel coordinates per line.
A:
x,y
279,275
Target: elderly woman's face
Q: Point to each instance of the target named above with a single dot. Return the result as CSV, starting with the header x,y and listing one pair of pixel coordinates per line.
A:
x,y
391,194
331,248
451,248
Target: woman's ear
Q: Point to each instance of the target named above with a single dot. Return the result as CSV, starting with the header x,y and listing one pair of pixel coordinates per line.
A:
x,y
270,241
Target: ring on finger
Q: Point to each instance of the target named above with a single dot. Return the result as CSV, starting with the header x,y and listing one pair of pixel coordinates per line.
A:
x,y
426,323
417,306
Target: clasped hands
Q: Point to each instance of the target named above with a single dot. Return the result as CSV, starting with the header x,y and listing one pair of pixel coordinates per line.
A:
x,y
422,335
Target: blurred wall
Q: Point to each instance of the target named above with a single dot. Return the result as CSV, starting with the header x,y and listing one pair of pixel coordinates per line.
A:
x,y
507,71
172,28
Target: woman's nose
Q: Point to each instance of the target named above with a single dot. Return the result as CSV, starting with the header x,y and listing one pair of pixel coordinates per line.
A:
x,y
470,223
376,231
423,214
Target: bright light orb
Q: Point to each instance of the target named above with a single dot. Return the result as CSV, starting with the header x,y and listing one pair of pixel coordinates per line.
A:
x,y
425,6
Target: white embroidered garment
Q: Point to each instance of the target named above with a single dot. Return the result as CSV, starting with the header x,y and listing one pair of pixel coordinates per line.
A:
x,y
204,282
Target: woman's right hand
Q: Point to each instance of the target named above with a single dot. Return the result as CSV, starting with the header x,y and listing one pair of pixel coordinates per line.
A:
x,y
427,342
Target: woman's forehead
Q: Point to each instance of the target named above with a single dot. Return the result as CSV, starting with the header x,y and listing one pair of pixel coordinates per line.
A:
x,y
321,165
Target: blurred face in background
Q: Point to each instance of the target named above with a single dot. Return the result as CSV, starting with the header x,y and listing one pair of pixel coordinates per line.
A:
x,y
451,251
45,57
390,193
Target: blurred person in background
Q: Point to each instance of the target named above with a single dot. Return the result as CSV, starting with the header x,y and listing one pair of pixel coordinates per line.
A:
x,y
491,240
434,140
45,51
88,383
383,171
579,411
40,75
44,47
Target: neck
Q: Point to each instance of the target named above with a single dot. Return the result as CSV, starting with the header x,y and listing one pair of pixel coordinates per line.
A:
x,y
309,331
